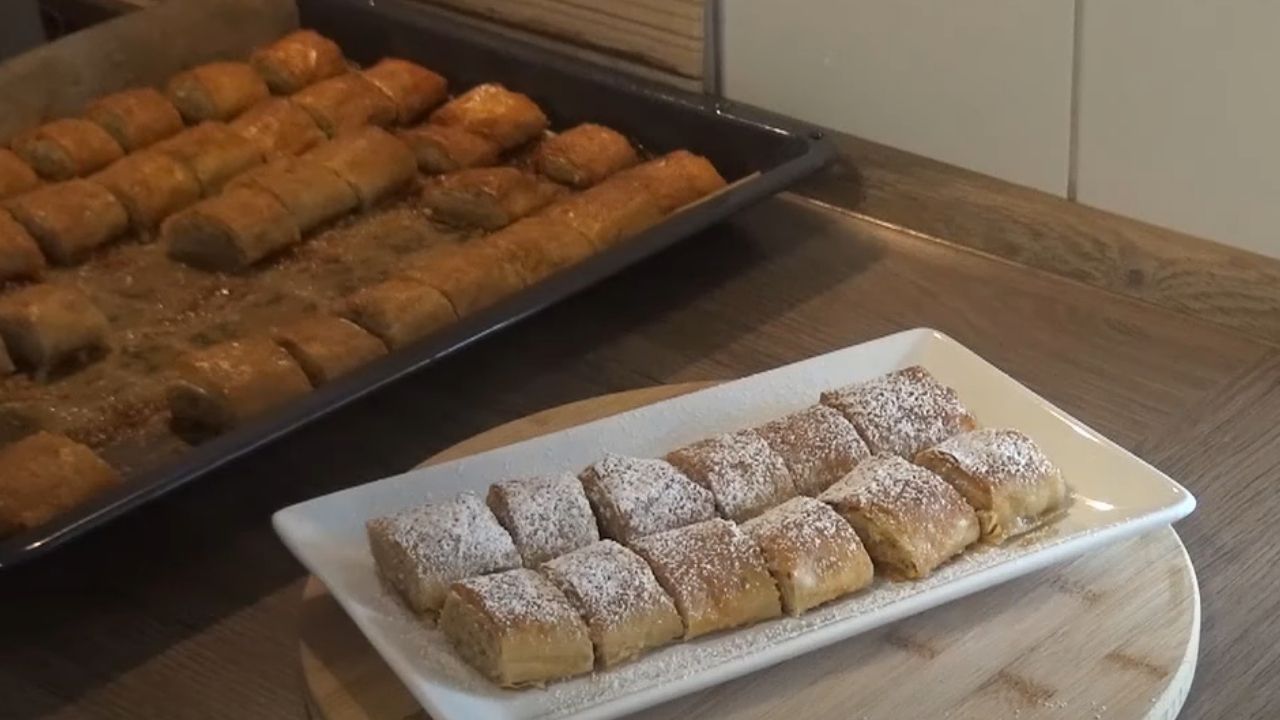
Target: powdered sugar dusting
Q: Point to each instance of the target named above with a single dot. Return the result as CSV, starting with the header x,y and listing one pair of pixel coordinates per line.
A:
x,y
741,471
613,586
813,538
518,598
998,455
902,412
546,516
636,497
818,445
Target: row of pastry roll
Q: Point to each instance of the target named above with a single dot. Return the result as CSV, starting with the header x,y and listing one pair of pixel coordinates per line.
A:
x,y
551,576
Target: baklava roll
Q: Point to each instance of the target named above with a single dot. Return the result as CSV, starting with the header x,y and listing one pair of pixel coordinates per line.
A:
x,y
346,102
547,516
222,386
216,91
584,155
297,60
413,88
151,186
608,213
327,347
902,412
136,118
399,311
20,257
67,148
813,554
909,519
636,497
818,445
675,179
371,160
16,176
715,574
538,247
487,198
279,127
422,550
313,193
744,475
45,475
441,149
627,612
516,628
48,327
213,152
69,219
471,276
231,231
1003,475
495,113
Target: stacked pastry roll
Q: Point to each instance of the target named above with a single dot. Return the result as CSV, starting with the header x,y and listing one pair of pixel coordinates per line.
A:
x,y
551,577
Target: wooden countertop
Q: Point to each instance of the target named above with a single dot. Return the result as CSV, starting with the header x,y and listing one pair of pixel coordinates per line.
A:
x,y
187,608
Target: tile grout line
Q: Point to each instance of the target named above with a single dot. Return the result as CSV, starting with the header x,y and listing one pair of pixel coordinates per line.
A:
x,y
1073,121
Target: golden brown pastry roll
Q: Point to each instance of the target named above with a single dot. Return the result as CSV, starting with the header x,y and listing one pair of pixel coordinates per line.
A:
x,y
220,387
67,148
44,475
231,231
818,445
399,311
47,327
136,118
627,612
371,160
216,91
487,198
538,247
675,179
715,574
70,219
313,193
516,628
584,155
279,127
495,113
20,257
328,347
744,475
346,102
297,60
635,497
413,88
909,519
422,550
471,276
813,554
151,186
608,212
1003,475
441,149
547,516
902,412
16,176
213,152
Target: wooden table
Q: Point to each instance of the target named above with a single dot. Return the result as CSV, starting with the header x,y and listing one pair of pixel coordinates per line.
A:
x,y
187,608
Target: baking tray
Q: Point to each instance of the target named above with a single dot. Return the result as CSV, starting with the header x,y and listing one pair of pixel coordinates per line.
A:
x,y
758,152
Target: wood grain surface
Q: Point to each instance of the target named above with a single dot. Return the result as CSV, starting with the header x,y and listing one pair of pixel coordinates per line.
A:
x,y
1116,630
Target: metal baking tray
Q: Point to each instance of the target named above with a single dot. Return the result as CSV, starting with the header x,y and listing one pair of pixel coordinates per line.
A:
x,y
759,153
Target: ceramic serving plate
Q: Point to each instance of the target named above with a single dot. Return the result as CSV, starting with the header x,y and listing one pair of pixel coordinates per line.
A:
x,y
1115,496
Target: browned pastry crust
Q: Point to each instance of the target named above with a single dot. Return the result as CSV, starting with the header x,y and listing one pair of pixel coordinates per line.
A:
x,y
487,198
373,161
441,148
67,148
471,276
714,573
547,516
744,475
297,60
399,311
151,186
44,475
20,257
675,179
635,497
346,102
279,127
902,412
222,386
313,194
327,347
69,219
584,155
213,152
51,326
818,445
1003,475
231,231
16,176
910,520
491,111
216,91
609,212
136,118
538,247
413,88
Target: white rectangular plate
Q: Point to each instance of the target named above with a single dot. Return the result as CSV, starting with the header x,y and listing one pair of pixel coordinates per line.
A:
x,y
1115,495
